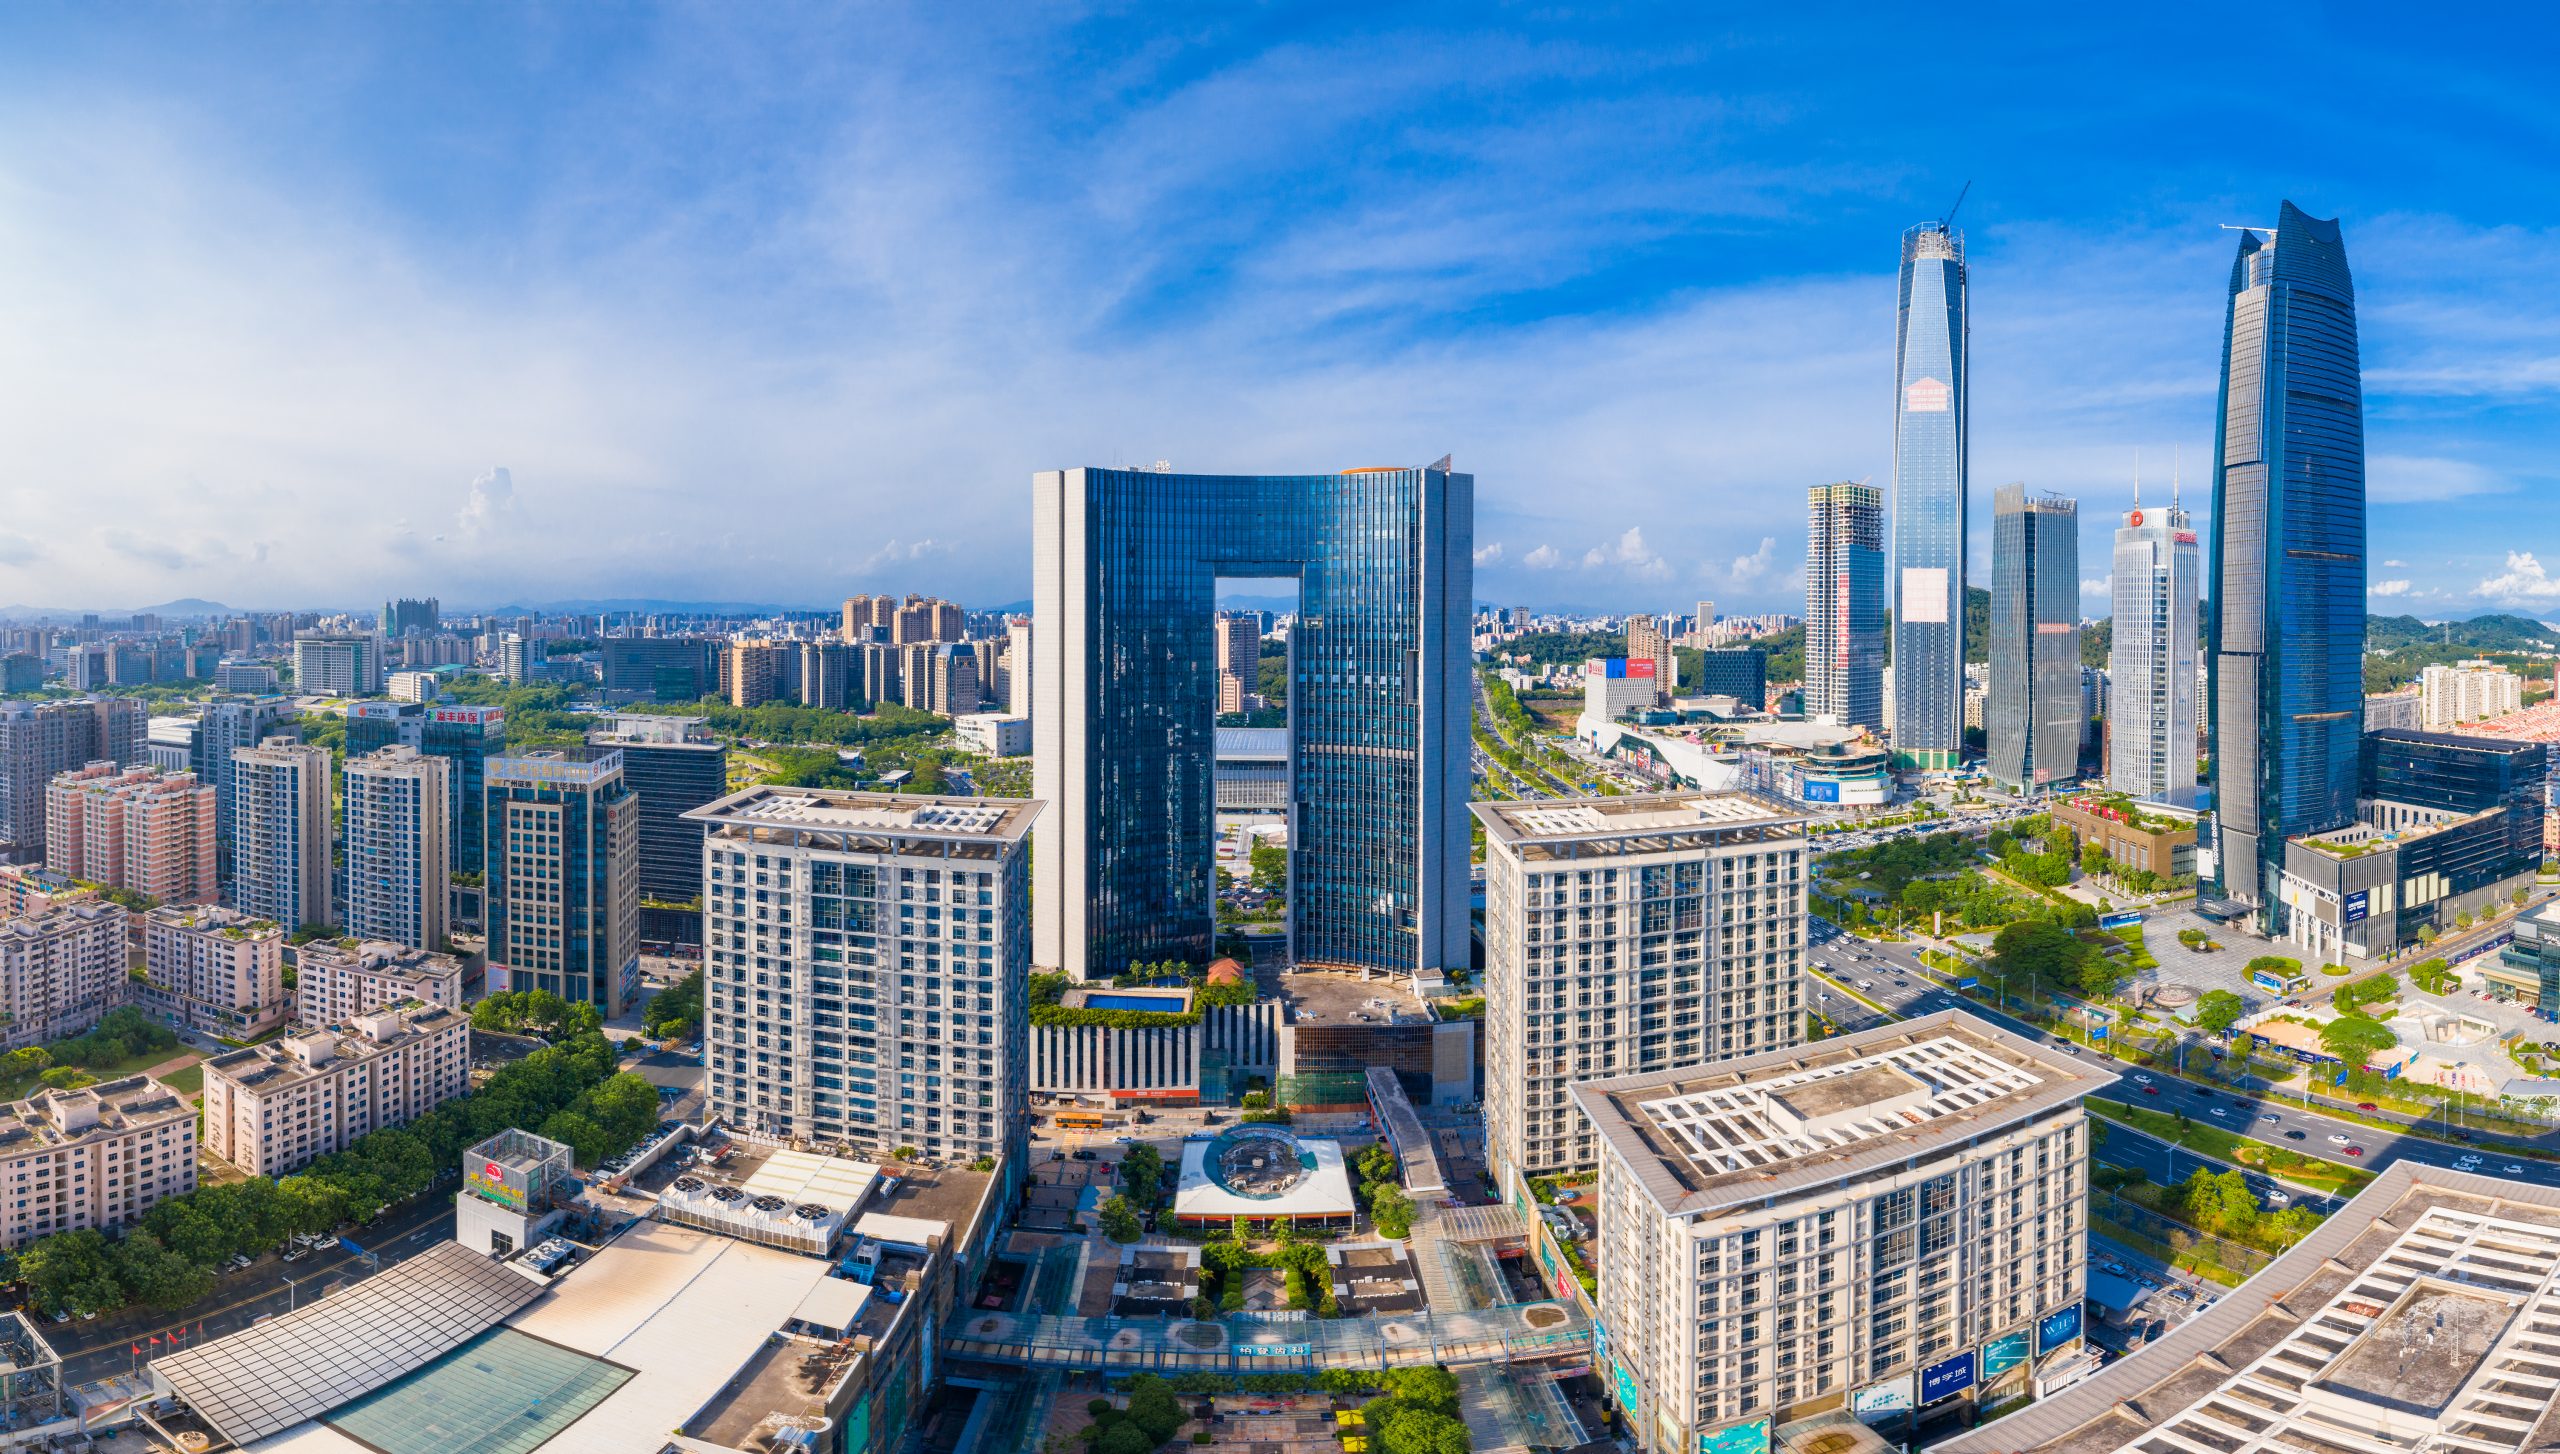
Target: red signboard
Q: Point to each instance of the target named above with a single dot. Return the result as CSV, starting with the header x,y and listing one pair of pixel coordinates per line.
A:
x,y
1638,667
2136,519
471,714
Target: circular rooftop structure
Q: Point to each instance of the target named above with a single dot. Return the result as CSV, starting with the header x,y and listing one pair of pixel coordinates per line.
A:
x,y
1259,1163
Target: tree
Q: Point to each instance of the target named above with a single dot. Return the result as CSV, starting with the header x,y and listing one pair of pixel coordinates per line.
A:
x,y
1391,1209
676,1011
1420,1431
1119,1220
2355,1038
2219,1010
1154,1407
1124,1438
72,1272
1270,864
589,1141
1142,1174
153,1274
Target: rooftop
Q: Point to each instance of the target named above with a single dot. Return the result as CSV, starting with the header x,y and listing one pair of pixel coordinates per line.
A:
x,y
1762,1125
211,918
380,956
1629,817
60,1118
2418,1317
1340,997
836,810
267,1068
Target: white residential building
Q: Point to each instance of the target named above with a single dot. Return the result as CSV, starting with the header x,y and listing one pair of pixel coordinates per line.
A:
x,y
214,969
1861,1220
863,968
271,1108
2472,691
337,664
1627,935
415,686
60,970
399,806
100,1157
337,981
280,852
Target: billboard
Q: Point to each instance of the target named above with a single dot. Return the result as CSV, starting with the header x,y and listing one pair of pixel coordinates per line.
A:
x,y
2121,919
1618,666
1882,1400
2056,1328
2355,904
1926,395
2003,1353
1947,1377
1625,1383
1816,791
492,1181
1750,1438
2267,980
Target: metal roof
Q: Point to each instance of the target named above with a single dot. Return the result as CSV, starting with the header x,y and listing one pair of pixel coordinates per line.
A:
x,y
291,1370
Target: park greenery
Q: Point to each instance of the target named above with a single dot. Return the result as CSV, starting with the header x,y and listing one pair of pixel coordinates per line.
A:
x,y
2197,940
675,1013
2435,977
1047,994
2218,1010
535,1012
2356,1038
2050,955
121,1037
569,1092
2283,967
1414,1410
1390,1209
2373,989
2223,1204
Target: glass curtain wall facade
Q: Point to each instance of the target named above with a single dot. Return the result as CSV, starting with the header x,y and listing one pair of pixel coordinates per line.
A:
x,y
1929,418
2151,660
2287,655
1125,572
1844,605
2031,714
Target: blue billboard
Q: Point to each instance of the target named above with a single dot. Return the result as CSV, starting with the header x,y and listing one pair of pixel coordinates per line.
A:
x,y
2002,1354
1750,1438
1818,791
2354,904
2267,980
1946,1378
2056,1328
2120,919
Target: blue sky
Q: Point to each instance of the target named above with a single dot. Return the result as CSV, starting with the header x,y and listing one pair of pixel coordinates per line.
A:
x,y
326,304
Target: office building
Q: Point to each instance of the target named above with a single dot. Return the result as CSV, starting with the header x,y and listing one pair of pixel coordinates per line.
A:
x,y
414,686
271,1108
2408,1321
134,828
1702,626
97,1157
60,969
403,616
40,741
1239,646
515,659
2399,709
993,734
1844,606
248,678
1614,686
1648,640
863,969
280,841
1018,657
1931,418
1124,576
2032,722
1739,672
2151,659
1624,936
1858,1222
337,664
2471,691
666,668
563,900
225,726
758,672
214,969
337,981
673,768
2286,702
21,671
2154,838
399,857
169,743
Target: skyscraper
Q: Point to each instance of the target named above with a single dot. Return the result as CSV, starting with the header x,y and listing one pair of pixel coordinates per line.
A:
x,y
227,726
2151,661
41,740
1929,419
2287,659
563,900
673,767
1844,606
2031,713
1649,640
1239,635
399,804
280,859
1124,583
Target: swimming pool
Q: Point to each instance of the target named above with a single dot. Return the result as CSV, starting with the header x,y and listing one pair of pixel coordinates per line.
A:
x,y
1159,1004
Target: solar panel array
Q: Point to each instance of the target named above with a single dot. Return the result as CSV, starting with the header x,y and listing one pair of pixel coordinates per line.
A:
x,y
286,1372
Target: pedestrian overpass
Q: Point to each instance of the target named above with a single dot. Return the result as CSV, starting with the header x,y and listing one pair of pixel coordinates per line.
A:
x,y
1510,1333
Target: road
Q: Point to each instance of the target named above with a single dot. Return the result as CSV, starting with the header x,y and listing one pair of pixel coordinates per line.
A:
x,y
94,1350
1890,974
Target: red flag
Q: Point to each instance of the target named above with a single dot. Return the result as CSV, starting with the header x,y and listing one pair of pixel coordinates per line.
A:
x,y
178,1333
137,1350
199,1329
155,1340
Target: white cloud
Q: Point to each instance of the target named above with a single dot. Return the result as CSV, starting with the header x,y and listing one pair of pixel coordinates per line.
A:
x,y
898,553
1489,554
1545,557
2397,564
1749,568
493,493
2094,586
2390,588
2523,580
2406,479
19,550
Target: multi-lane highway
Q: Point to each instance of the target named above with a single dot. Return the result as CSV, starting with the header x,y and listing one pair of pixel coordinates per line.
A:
x,y
1891,976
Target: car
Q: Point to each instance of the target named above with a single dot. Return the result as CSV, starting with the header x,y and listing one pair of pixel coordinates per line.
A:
x,y
2514,1170
2151,1090
2293,1135
2367,1106
2271,1116
2204,1092
2278,1199
2355,1151
2336,1139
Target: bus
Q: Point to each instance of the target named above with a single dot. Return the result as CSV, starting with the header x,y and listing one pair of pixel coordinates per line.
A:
x,y
1082,1121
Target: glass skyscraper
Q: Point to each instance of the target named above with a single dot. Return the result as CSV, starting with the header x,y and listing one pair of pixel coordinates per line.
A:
x,y
1124,585
1844,605
2287,652
1929,415
2032,719
2151,660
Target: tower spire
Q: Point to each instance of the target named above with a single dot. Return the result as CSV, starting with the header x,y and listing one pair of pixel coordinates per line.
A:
x,y
2137,477
2173,477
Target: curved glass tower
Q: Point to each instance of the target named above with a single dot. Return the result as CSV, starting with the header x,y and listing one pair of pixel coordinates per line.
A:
x,y
1929,501
2287,654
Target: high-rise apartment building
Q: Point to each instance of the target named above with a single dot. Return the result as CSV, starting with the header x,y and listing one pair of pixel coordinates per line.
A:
x,y
226,726
214,969
563,899
2032,724
673,768
280,840
134,828
99,1156
924,619
1702,626
403,616
399,873
1932,366
1871,1220
465,736
515,658
338,980
338,663
1628,935
864,959
1844,606
60,970
2151,659
1125,570
824,674
955,680
2286,702
758,672
2470,691
1650,640
272,1108
40,741
1019,659
1239,647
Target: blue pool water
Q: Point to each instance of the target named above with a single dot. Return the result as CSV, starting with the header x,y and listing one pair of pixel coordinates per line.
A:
x,y
1159,1004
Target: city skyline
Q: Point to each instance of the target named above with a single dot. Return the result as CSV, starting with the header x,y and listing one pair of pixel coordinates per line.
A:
x,y
1706,325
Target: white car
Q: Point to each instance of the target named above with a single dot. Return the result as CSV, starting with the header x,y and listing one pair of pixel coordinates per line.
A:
x,y
2514,1170
2336,1140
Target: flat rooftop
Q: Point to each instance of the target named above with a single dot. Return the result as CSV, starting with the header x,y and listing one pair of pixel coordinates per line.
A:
x,y
1342,997
839,811
1564,819
1763,1125
2423,1315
